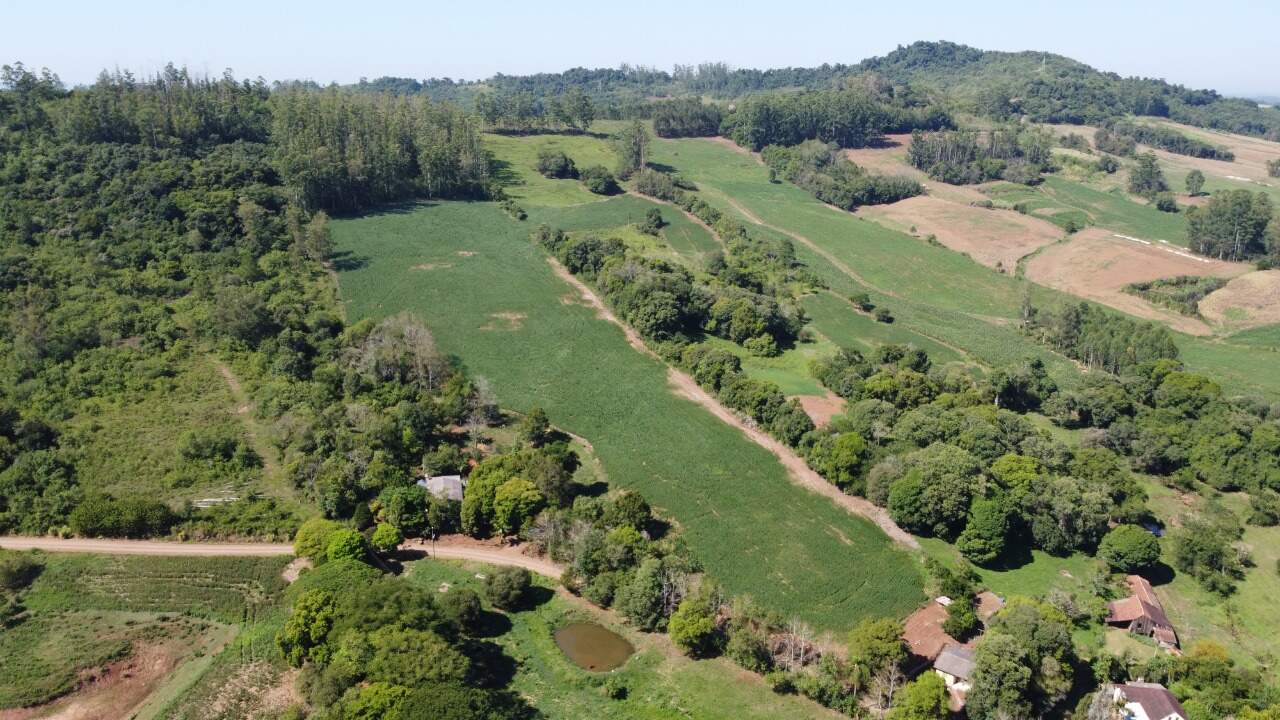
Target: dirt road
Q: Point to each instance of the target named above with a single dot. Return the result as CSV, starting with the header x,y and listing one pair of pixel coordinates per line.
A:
x,y
475,551
145,547
685,386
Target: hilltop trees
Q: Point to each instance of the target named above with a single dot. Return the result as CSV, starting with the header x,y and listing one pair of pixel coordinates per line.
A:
x,y
848,118
523,111
631,145
686,117
965,157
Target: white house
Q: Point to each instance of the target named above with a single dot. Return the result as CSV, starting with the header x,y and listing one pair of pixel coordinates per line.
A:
x,y
1148,701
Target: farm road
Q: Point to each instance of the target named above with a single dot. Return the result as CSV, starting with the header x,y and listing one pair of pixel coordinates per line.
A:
x,y
447,548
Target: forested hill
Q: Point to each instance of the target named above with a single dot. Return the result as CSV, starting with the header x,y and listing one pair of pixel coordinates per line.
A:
x,y
1039,85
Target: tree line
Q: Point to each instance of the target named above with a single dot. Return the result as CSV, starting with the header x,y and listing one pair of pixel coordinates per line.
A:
x,y
963,157
849,118
832,178
1167,139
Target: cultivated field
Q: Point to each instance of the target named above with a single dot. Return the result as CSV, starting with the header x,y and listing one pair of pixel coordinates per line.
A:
x,y
995,238
1096,264
146,637
755,532
1247,301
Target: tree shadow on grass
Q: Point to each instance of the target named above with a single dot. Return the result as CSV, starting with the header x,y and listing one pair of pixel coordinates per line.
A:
x,y
491,625
490,667
346,261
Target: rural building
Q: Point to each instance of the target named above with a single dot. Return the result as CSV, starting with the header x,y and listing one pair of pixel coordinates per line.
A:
x,y
1148,701
924,636
446,487
1142,613
955,665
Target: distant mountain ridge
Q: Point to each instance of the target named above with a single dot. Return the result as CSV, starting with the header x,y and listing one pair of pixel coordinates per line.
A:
x,y
1040,86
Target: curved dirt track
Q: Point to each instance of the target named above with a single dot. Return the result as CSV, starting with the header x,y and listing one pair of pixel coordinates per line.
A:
x,y
686,387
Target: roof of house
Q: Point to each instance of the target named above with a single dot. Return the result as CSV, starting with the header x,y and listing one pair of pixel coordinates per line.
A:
x,y
1142,603
988,604
1156,700
923,631
448,487
956,661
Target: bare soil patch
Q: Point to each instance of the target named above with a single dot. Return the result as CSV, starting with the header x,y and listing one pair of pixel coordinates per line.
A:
x,y
466,253
995,238
504,322
1247,301
432,266
294,569
1096,264
821,409
890,158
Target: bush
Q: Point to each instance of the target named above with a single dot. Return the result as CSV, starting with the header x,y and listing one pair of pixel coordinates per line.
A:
x,y
692,627
1166,203
883,315
346,544
462,607
129,517
1129,549
599,180
312,539
18,570
386,538
554,163
506,587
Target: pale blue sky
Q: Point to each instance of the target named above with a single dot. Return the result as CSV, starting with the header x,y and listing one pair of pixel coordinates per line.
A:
x,y
1229,45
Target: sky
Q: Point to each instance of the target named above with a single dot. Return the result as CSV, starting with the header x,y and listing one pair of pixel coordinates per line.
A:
x,y
1227,45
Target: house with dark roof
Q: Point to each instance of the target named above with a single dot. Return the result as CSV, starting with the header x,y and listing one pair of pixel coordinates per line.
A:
x,y
1148,701
1142,613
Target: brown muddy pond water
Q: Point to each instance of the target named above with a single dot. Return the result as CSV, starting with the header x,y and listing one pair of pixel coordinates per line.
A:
x,y
592,647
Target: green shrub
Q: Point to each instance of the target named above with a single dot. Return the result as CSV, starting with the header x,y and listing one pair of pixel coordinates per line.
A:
x,y
346,545
1129,549
599,180
507,587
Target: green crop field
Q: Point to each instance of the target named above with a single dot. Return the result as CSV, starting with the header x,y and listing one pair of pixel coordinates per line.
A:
x,y
660,683
493,300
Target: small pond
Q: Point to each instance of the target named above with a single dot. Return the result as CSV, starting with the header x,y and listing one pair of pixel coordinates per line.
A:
x,y
592,647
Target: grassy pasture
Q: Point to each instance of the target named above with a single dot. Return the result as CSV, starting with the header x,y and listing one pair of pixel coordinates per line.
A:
x,y
1060,200
660,683
1267,336
517,158
753,530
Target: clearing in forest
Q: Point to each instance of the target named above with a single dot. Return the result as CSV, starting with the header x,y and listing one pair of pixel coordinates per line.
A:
x,y
1096,264
752,528
995,238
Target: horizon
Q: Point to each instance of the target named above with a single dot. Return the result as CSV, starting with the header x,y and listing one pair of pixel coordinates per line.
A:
x,y
464,44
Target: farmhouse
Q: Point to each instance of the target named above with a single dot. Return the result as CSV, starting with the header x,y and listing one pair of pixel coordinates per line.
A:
x,y
1148,701
1142,613
925,637
446,487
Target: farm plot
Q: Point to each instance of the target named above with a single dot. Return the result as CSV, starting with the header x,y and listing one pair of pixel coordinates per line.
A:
x,y
1096,264
110,636
753,530
995,238
1247,301
1064,202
